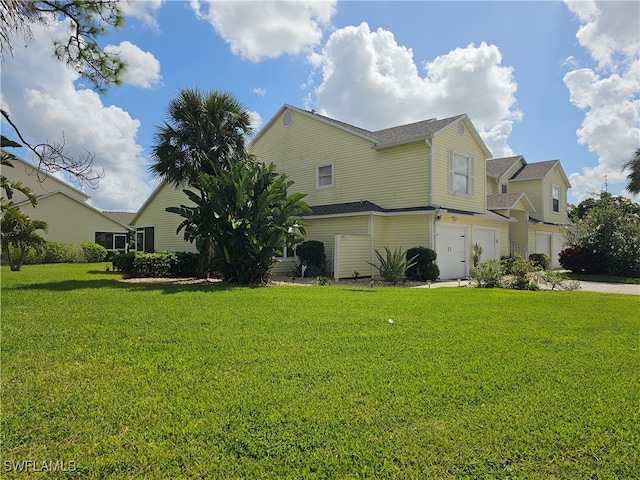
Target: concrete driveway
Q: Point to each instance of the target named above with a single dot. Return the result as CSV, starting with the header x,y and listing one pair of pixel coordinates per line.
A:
x,y
622,288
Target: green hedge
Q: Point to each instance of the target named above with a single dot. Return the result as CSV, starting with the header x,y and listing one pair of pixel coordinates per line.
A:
x,y
93,252
166,264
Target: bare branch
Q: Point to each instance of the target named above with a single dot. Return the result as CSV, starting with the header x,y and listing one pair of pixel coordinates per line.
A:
x,y
53,158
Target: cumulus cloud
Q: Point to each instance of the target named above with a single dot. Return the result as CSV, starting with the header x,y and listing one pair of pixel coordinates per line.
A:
x,y
267,29
143,69
42,98
609,92
143,10
359,65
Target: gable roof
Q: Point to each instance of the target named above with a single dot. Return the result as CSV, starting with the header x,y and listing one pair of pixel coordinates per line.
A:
x,y
124,218
539,170
507,201
85,205
47,176
496,167
412,132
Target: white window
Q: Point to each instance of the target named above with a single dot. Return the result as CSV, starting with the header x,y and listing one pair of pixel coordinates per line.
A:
x,y
288,253
460,174
555,198
324,176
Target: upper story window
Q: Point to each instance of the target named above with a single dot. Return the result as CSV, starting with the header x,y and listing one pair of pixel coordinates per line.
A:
x,y
461,174
555,198
503,188
324,176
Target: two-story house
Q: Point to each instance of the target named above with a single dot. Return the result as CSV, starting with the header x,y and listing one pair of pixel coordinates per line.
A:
x,y
430,183
69,217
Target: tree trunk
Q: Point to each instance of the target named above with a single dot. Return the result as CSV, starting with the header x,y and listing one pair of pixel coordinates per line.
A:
x,y
205,258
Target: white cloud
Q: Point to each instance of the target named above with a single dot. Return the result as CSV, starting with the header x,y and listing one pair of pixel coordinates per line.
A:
x,y
256,120
261,92
372,82
143,69
44,102
267,29
143,9
609,93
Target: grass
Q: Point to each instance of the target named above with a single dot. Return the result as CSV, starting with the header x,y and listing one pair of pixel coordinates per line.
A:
x,y
192,381
603,278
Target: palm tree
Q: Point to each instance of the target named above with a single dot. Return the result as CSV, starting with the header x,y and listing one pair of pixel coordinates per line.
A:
x,y
634,176
18,236
203,129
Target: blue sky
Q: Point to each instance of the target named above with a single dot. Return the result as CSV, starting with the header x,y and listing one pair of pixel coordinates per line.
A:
x,y
546,80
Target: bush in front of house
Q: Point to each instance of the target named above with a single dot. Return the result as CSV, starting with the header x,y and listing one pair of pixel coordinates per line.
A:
x,y
111,254
311,254
424,264
124,262
540,261
184,264
488,274
93,252
53,252
580,259
393,265
157,265
507,262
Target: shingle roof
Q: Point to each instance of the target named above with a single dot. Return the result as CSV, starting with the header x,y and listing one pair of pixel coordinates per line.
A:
x,y
414,131
363,206
121,217
496,167
506,201
536,170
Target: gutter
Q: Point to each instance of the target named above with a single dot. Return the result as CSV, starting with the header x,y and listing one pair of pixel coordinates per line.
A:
x,y
429,143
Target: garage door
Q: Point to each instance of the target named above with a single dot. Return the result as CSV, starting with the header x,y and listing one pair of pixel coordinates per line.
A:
x,y
451,250
486,238
556,247
543,243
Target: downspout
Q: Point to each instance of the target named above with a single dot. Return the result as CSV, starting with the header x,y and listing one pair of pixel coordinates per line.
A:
x,y
429,143
372,244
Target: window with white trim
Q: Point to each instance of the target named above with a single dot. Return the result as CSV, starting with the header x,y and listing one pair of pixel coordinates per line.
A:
x,y
288,253
555,198
460,174
324,175
112,240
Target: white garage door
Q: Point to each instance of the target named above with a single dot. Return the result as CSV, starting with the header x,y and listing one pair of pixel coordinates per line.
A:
x,y
543,243
556,247
486,238
451,251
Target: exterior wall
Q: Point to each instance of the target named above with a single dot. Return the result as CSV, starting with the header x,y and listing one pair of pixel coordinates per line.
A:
x,y
518,230
39,183
353,254
393,177
70,221
407,231
446,141
554,178
165,223
533,190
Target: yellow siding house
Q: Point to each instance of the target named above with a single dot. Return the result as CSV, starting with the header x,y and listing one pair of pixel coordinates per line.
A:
x,y
69,218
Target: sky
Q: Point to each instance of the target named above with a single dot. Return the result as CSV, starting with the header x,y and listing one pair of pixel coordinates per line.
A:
x,y
542,79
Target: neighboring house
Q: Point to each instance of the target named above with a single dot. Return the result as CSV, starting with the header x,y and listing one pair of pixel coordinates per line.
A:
x,y
64,208
430,183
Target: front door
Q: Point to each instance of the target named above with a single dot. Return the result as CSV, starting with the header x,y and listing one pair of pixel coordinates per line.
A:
x,y
451,251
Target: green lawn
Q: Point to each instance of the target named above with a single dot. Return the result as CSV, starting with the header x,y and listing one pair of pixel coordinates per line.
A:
x,y
170,381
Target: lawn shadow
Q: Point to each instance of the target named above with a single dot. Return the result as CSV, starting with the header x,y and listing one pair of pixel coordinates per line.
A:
x,y
115,284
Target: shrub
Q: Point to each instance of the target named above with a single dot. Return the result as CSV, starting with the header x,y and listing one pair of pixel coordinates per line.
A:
x,y
581,259
424,267
93,252
520,271
507,263
110,255
184,264
540,261
53,252
394,265
124,262
488,274
312,255
152,265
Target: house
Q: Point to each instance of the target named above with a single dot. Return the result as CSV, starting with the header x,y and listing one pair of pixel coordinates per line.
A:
x,y
65,209
431,183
